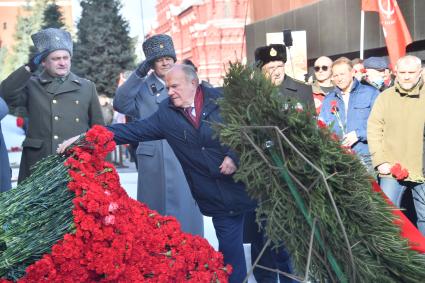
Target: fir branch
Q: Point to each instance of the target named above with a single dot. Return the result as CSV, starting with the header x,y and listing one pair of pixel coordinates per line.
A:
x,y
380,254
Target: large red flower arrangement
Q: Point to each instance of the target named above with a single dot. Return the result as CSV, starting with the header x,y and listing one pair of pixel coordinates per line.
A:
x,y
116,238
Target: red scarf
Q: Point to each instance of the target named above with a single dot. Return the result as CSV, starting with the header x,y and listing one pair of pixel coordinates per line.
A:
x,y
199,103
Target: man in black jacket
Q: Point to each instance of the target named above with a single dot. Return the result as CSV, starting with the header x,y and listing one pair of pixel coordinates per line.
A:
x,y
271,59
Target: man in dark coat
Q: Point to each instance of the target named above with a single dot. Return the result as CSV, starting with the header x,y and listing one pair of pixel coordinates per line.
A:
x,y
5,171
139,97
59,103
185,120
271,60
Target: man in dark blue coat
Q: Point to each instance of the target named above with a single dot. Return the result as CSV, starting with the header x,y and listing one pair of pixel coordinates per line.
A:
x,y
185,120
346,109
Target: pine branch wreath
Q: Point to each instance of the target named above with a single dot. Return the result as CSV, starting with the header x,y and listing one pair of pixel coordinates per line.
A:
x,y
252,109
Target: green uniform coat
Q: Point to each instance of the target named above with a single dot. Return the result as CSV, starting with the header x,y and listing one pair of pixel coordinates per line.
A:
x,y
56,111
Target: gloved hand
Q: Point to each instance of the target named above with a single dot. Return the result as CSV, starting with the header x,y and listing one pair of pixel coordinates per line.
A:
x,y
143,68
35,61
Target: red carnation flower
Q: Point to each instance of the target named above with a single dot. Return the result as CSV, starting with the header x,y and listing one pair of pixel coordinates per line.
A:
x,y
399,172
321,124
334,106
20,122
118,238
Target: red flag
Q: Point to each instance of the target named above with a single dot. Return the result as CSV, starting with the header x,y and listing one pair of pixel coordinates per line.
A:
x,y
407,229
397,36
370,5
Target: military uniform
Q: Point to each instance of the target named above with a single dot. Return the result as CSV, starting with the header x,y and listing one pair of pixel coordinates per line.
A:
x,y
162,184
57,110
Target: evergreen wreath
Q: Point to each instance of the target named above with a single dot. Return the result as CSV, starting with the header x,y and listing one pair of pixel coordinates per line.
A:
x,y
305,181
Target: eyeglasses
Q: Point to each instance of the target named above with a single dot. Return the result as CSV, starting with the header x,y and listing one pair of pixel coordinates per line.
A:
x,y
324,68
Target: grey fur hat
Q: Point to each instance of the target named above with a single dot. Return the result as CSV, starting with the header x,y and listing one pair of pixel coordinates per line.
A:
x,y
158,46
52,39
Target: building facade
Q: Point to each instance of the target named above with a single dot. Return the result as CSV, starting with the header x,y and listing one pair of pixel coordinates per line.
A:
x,y
11,10
333,28
211,33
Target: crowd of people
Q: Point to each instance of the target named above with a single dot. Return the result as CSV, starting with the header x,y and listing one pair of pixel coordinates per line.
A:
x,y
183,169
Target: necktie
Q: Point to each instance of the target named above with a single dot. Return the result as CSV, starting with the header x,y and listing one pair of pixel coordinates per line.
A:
x,y
189,112
60,80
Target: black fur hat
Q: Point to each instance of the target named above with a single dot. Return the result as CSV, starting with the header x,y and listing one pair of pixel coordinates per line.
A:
x,y
272,52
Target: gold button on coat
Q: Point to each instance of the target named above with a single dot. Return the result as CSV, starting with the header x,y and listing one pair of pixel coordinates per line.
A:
x,y
76,101
56,118
55,137
77,119
54,101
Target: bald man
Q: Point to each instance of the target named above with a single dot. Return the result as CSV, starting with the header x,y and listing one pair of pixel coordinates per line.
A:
x,y
322,84
395,132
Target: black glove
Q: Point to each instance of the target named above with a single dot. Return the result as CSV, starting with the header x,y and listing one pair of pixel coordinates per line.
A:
x,y
35,61
143,68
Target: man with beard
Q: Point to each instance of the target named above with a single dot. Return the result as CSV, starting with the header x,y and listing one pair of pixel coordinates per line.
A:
x,y
161,182
395,133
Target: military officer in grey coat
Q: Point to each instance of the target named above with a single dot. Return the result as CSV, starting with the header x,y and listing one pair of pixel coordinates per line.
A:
x,y
59,103
161,181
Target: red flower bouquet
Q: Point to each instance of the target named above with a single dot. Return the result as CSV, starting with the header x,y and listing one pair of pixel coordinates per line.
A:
x,y
116,238
399,172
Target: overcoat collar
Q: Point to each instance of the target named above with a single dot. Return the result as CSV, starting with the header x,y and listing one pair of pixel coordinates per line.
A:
x,y
71,83
210,101
155,86
289,83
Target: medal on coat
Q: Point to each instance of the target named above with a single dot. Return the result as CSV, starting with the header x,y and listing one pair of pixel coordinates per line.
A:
x,y
154,90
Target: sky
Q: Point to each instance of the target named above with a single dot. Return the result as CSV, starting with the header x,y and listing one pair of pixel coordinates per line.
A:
x,y
132,11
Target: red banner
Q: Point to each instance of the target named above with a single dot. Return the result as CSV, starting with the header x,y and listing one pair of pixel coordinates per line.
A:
x,y
397,36
407,229
370,5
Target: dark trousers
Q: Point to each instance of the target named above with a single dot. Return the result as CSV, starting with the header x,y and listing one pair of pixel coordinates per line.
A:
x,y
274,259
229,231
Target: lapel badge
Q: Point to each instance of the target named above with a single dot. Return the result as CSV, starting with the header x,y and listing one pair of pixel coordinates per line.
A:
x,y
273,52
